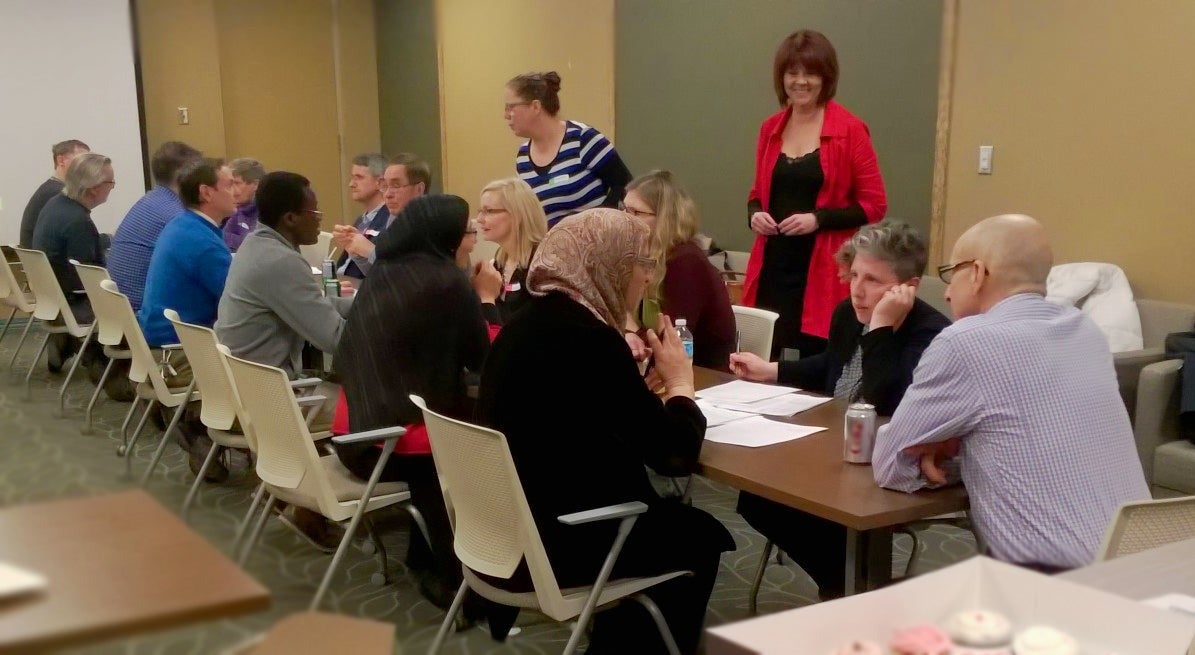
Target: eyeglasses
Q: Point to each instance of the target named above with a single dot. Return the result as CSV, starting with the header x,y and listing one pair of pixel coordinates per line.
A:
x,y
490,211
647,262
315,212
102,182
510,106
947,271
637,213
384,186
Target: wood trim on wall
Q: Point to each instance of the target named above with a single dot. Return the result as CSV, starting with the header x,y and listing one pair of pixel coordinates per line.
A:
x,y
937,221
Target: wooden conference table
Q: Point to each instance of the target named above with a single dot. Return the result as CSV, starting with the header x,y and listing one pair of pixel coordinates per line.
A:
x,y
117,565
809,474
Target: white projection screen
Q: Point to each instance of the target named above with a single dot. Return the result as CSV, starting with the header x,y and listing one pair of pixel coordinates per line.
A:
x,y
66,72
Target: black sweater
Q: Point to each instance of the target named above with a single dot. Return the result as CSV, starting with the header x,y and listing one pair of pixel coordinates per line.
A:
x,y
889,356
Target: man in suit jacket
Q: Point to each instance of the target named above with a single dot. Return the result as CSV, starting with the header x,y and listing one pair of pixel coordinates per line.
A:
x,y
877,337
364,178
406,177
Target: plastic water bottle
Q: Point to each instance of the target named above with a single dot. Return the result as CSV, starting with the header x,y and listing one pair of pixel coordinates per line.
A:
x,y
686,337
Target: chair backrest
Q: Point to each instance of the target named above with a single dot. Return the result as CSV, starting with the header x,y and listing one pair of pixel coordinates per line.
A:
x,y
1159,318
493,528
105,306
51,302
755,328
11,293
932,291
316,253
286,455
143,367
1146,524
212,377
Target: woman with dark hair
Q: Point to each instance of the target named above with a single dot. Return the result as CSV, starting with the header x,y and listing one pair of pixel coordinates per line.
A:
x,y
574,454
816,181
570,165
415,327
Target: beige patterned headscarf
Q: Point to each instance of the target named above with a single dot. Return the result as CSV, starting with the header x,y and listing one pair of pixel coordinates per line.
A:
x,y
589,257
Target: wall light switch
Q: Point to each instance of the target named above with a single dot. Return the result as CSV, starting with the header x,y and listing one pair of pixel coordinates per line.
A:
x,y
985,160
184,116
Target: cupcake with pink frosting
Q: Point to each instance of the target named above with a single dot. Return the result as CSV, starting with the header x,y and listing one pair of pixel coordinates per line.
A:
x,y
921,640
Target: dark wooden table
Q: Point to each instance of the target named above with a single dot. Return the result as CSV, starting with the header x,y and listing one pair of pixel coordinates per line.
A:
x,y
809,474
117,564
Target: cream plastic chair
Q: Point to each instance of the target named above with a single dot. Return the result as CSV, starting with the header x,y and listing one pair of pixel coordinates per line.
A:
x,y
109,329
146,373
294,472
316,253
1147,524
494,531
755,327
221,405
51,303
14,297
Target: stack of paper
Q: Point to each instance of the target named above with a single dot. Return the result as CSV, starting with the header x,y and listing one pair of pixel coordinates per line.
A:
x,y
715,415
757,431
785,405
742,391
16,581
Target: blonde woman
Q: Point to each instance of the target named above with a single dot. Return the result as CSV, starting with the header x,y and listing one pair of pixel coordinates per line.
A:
x,y
691,287
511,216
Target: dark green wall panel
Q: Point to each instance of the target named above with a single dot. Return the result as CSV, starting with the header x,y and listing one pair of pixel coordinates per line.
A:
x,y
408,80
693,83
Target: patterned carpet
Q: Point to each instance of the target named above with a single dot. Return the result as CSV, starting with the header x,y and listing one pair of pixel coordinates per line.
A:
x,y
46,457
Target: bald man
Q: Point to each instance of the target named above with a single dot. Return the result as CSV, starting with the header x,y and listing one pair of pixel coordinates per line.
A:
x,y
1021,394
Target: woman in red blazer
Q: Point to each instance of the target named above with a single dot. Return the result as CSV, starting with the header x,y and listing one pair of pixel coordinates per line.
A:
x,y
816,182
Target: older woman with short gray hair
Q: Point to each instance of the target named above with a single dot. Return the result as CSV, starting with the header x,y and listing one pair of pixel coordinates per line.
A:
x,y
877,337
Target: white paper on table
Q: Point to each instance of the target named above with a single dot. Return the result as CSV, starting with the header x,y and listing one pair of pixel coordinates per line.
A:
x,y
742,391
758,431
15,581
786,405
715,415
1181,603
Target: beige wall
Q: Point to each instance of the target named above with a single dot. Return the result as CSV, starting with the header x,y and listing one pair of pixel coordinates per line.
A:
x,y
483,44
286,82
1088,105
160,29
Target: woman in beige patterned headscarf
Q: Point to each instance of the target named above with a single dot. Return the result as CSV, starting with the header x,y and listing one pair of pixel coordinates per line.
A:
x,y
561,384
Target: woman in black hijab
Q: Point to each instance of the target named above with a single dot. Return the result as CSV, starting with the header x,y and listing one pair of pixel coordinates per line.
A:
x,y
415,327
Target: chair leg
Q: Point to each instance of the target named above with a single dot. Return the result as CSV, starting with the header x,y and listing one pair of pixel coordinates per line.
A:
x,y
194,490
124,427
32,365
71,373
341,549
753,599
251,539
7,323
661,625
126,450
914,551
586,615
86,429
449,619
24,333
420,523
236,540
178,414
382,577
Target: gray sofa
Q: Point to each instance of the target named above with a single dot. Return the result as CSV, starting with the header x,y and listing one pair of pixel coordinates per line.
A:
x,y
1150,385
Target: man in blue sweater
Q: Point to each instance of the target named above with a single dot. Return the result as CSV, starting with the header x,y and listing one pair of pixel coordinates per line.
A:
x,y
186,273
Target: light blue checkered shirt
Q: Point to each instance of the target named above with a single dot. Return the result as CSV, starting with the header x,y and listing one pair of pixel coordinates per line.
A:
x,y
1047,453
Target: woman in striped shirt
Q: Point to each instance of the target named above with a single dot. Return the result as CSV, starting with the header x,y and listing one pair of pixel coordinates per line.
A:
x,y
570,165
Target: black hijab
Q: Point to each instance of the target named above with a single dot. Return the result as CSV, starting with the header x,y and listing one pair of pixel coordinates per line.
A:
x,y
416,323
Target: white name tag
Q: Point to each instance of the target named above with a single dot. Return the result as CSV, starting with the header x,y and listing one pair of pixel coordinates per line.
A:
x,y
514,286
245,225
371,233
559,179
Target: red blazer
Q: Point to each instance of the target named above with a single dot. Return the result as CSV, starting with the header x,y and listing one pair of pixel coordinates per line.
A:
x,y
852,177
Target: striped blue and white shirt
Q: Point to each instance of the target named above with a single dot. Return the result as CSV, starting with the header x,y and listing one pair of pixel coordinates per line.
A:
x,y
1047,452
133,243
570,183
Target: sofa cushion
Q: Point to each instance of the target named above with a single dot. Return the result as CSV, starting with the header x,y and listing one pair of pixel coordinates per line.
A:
x,y
1174,466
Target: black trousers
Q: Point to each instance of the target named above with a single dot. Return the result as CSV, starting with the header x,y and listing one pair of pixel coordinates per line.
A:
x,y
419,472
818,546
668,537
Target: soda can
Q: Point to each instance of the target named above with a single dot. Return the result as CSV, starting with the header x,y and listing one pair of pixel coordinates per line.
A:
x,y
859,433
329,269
332,288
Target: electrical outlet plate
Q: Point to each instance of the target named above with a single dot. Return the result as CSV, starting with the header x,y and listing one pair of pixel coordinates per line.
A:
x,y
184,116
985,160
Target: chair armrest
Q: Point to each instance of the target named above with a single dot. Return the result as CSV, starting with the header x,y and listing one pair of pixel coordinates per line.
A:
x,y
307,401
1128,367
171,346
619,511
305,383
1157,410
371,435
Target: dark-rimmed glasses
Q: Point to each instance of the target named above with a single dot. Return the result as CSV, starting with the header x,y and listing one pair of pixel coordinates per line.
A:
x,y
947,271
